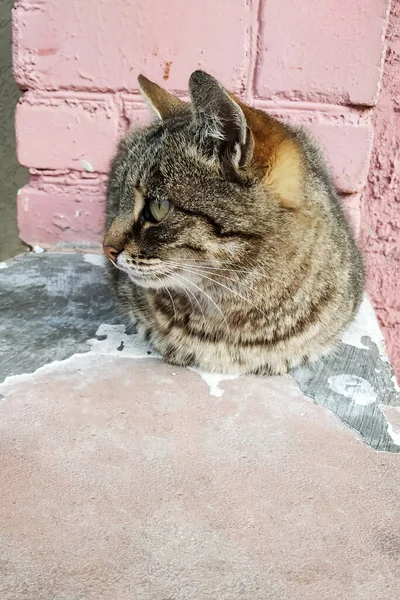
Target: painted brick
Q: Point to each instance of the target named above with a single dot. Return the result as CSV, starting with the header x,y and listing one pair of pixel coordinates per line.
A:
x,y
110,43
60,133
321,50
345,139
347,149
55,214
383,286
135,112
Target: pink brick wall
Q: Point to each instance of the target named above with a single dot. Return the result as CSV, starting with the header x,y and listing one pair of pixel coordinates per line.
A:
x,y
313,62
380,236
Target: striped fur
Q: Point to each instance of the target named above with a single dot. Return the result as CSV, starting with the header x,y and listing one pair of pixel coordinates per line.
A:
x,y
254,268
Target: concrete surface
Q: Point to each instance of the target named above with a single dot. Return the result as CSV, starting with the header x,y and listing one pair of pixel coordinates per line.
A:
x,y
12,176
125,478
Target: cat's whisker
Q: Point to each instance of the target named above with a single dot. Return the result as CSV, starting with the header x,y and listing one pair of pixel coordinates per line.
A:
x,y
208,267
207,296
184,288
188,291
169,294
196,300
225,287
215,268
254,291
252,271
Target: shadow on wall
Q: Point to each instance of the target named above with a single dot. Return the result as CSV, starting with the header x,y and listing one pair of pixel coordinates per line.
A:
x,y
12,176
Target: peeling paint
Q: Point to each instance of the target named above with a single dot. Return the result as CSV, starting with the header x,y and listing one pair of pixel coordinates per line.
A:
x,y
355,388
365,321
67,297
395,435
213,380
395,384
114,337
392,416
112,340
355,379
119,343
38,249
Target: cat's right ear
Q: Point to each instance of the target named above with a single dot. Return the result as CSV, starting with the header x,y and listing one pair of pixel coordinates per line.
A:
x,y
162,103
220,120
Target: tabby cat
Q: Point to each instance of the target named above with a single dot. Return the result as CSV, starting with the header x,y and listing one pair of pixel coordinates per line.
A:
x,y
227,241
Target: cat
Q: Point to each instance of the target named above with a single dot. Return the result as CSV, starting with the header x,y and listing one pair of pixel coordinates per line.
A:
x,y
226,238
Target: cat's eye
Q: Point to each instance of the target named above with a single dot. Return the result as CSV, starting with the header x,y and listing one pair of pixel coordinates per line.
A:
x,y
159,209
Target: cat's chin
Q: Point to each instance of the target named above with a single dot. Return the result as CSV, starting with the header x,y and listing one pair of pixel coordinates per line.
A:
x,y
160,281
149,281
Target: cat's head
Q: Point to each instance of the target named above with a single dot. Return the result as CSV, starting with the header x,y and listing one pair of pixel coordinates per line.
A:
x,y
181,191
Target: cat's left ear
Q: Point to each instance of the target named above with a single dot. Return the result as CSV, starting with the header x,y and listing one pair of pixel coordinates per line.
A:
x,y
162,103
220,119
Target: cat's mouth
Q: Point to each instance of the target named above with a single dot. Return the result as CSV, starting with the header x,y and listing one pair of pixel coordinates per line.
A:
x,y
151,273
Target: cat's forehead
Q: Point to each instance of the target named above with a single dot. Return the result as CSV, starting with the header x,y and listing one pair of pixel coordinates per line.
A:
x,y
163,152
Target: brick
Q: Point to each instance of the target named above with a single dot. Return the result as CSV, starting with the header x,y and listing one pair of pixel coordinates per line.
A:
x,y
56,214
136,113
113,42
321,50
383,287
61,133
348,151
346,144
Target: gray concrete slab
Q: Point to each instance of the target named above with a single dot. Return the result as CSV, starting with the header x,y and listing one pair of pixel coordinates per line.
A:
x,y
52,303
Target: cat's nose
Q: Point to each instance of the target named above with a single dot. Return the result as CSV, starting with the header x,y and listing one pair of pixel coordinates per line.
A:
x,y
111,253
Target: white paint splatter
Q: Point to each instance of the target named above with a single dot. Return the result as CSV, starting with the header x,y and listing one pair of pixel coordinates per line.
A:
x,y
213,380
365,324
95,259
86,166
392,416
395,435
395,384
38,249
357,389
118,343
3,265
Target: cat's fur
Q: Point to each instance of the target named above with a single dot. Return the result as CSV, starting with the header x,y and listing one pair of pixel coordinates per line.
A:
x,y
254,269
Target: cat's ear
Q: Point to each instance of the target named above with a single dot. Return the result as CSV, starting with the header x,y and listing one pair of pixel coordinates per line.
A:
x,y
162,103
220,119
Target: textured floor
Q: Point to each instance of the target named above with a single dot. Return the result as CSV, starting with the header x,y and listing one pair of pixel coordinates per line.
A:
x,y
123,478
